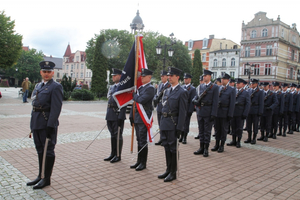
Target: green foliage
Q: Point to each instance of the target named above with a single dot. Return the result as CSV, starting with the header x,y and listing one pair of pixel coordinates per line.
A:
x,y
66,95
67,83
82,94
27,65
85,86
31,88
100,65
10,42
197,69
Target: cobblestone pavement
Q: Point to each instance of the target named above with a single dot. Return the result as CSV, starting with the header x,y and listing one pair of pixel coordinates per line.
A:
x,y
267,170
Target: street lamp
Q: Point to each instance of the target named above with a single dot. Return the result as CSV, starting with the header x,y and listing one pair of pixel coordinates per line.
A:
x,y
16,84
164,47
298,76
249,69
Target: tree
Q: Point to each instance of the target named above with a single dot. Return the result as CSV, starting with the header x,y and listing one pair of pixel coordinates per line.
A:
x,y
27,65
100,65
197,69
10,42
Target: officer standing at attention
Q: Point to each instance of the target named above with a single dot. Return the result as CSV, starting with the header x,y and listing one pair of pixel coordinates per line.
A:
x,y
256,110
144,97
231,83
278,111
270,103
172,122
295,110
115,119
241,110
225,112
197,93
46,107
298,115
288,108
218,81
158,97
190,106
207,100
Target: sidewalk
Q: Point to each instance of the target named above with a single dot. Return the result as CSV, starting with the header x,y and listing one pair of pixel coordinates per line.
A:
x,y
263,171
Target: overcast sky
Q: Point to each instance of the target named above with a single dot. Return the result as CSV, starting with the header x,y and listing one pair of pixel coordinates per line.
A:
x,y
50,25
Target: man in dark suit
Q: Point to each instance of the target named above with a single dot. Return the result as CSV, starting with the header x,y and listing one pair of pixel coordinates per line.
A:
x,y
241,110
288,108
158,97
172,122
46,107
206,100
197,92
143,98
190,106
270,103
115,119
256,110
295,110
225,112
278,111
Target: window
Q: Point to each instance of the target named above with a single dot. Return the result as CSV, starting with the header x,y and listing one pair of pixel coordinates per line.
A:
x,y
267,69
282,33
205,42
214,75
223,62
257,50
204,57
90,74
269,50
293,55
264,32
247,52
67,67
81,75
232,74
77,58
77,75
190,44
253,34
77,66
81,66
291,73
71,66
87,74
57,75
256,69
232,62
294,39
215,62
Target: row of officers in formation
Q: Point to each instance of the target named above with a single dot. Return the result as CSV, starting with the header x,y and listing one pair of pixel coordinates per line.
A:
x,y
217,104
225,105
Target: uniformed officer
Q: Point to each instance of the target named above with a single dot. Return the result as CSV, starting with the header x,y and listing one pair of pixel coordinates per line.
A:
x,y
241,110
231,82
172,122
256,110
270,103
198,89
295,110
225,112
158,97
115,119
218,82
278,111
288,107
46,107
298,115
190,106
206,100
143,97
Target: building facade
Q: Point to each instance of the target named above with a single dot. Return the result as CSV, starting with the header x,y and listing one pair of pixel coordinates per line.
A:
x,y
224,60
208,45
74,66
272,47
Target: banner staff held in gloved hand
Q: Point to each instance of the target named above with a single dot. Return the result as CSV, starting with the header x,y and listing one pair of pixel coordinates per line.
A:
x,y
46,107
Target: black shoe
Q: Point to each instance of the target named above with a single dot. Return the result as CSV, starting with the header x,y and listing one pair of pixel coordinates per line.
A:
x,y
115,159
274,136
164,175
216,147
265,139
200,150
205,152
135,165
247,141
40,158
171,176
141,166
109,157
159,142
34,181
221,149
271,135
42,183
238,145
261,138
283,134
197,137
253,141
232,143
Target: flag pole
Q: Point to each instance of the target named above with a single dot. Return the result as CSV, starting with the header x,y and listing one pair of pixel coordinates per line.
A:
x,y
135,83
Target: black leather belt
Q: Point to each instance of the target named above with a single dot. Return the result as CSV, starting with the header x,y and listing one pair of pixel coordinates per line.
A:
x,y
111,106
164,114
239,104
254,104
35,109
223,105
205,104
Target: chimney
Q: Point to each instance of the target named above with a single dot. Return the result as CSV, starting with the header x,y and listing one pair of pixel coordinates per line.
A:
x,y
211,36
50,56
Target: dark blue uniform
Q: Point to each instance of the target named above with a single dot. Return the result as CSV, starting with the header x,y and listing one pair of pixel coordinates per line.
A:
x,y
241,110
256,110
144,96
190,109
115,118
277,112
288,107
295,111
270,103
225,113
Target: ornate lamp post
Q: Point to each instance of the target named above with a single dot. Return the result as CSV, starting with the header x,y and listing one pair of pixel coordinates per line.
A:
x,y
164,47
249,69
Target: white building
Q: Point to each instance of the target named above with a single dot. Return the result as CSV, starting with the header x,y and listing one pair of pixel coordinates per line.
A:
x,y
224,60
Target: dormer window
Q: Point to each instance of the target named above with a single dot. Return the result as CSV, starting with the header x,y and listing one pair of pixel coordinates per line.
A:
x,y
205,43
190,45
